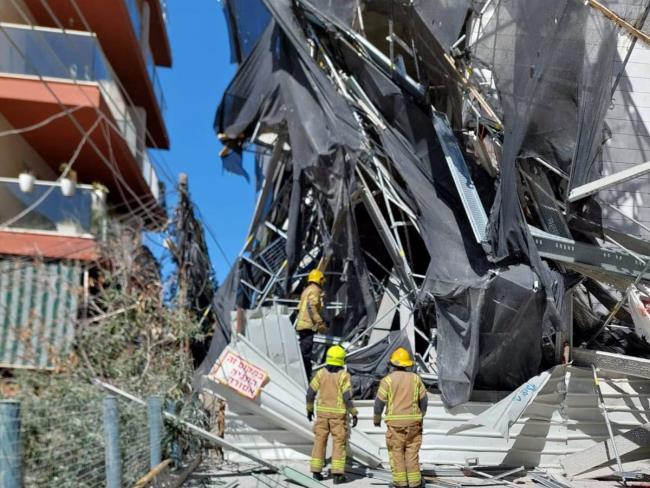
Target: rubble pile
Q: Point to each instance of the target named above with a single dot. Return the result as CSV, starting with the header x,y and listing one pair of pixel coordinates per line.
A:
x,y
471,177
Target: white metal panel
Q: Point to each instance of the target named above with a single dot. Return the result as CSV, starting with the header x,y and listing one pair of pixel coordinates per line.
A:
x,y
555,425
268,441
628,120
272,332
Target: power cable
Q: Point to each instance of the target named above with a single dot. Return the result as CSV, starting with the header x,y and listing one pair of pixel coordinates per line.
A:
x,y
75,122
40,124
63,175
75,81
86,25
66,112
89,29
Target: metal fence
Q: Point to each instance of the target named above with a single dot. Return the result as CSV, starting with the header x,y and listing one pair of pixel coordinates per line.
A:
x,y
101,441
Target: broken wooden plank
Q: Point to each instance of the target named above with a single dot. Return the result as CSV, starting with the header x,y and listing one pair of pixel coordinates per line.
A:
x,y
603,452
619,21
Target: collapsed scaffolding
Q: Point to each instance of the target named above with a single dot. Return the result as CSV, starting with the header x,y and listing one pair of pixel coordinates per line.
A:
x,y
455,169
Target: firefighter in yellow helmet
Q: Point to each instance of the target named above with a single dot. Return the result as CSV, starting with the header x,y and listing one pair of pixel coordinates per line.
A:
x,y
310,316
404,396
333,387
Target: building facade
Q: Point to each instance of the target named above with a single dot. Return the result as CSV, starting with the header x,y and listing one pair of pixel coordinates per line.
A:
x,y
80,106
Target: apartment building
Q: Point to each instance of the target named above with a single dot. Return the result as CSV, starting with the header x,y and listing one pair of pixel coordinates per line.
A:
x,y
80,106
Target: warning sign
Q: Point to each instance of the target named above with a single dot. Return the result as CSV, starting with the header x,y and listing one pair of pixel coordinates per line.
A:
x,y
240,375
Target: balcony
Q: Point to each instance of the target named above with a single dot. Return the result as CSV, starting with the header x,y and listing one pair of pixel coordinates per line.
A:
x,y
66,55
80,78
43,221
118,26
152,72
46,208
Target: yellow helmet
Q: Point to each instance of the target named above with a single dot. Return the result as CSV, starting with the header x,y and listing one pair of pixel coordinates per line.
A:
x,y
401,358
335,356
316,276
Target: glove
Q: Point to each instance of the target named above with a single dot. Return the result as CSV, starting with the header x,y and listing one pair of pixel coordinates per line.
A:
x,y
355,420
376,420
310,416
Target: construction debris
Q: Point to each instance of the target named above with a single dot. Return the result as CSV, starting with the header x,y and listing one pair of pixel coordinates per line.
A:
x,y
607,451
468,181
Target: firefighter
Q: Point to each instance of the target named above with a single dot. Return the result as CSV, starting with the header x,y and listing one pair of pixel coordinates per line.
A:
x,y
310,318
333,385
406,397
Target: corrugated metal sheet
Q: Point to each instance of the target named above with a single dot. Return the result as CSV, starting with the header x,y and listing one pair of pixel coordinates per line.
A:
x,y
554,425
38,310
271,331
628,121
263,439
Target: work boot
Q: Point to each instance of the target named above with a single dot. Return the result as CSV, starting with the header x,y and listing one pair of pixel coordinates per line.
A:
x,y
317,476
339,479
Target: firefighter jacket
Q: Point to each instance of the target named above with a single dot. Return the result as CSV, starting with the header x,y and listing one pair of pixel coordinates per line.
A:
x,y
333,386
310,309
404,396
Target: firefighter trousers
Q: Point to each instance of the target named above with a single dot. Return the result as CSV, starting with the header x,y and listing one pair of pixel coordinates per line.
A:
x,y
323,427
306,339
403,443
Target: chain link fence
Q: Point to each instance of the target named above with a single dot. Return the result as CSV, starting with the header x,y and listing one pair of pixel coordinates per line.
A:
x,y
85,443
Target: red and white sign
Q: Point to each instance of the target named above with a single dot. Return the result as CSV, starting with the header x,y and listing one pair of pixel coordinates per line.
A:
x,y
240,375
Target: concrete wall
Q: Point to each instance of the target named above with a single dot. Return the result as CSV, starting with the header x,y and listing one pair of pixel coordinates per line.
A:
x,y
18,156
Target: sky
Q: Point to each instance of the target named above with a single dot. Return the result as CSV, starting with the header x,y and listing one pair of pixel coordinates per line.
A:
x,y
193,88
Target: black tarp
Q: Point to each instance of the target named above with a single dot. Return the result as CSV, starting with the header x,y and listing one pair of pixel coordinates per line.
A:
x,y
550,60
279,89
369,364
478,333
491,314
246,21
223,305
437,20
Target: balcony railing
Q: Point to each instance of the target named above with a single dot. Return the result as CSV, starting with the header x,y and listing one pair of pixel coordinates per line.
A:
x,y
66,55
155,82
136,21
46,209
151,177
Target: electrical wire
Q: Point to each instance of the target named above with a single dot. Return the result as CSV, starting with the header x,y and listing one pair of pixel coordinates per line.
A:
x,y
88,28
75,82
86,25
64,174
39,125
66,112
75,122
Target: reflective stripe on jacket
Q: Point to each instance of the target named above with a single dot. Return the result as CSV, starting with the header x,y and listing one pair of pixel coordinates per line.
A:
x,y
310,309
402,392
333,389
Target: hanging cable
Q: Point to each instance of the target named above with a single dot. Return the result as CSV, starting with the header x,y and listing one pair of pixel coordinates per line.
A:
x,y
64,174
75,81
41,124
